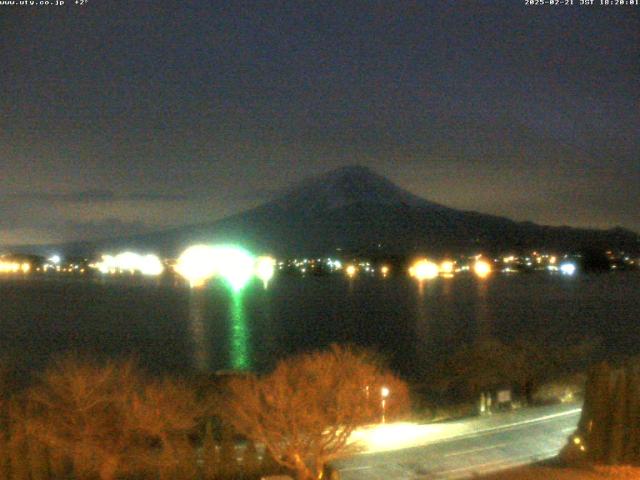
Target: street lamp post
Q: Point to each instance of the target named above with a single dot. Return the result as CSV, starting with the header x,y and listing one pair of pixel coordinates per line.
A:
x,y
384,393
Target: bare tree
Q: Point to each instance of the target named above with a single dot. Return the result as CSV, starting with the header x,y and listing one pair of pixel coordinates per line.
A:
x,y
163,415
108,421
305,411
210,455
5,423
78,410
17,445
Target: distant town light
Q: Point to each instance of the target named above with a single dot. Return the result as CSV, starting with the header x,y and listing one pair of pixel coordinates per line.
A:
x,y
446,267
351,271
55,259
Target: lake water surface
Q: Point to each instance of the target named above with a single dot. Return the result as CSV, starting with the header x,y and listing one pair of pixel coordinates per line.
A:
x,y
174,329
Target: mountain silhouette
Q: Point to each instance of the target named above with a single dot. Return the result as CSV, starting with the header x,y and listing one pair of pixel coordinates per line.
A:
x,y
355,210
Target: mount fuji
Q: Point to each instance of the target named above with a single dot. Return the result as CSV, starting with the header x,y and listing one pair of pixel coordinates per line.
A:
x,y
355,210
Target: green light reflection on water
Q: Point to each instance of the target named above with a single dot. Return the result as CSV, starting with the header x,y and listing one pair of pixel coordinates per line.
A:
x,y
240,358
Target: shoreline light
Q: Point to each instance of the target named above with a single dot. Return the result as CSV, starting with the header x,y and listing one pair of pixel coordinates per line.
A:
x,y
482,268
568,268
15,267
424,270
149,265
197,264
265,268
235,265
351,271
447,267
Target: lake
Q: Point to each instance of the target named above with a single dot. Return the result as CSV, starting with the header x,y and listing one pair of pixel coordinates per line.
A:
x,y
171,328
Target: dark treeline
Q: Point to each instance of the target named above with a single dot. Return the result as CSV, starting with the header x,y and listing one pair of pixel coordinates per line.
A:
x,y
529,368
609,428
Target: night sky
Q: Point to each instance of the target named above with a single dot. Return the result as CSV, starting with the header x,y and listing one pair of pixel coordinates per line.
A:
x,y
126,116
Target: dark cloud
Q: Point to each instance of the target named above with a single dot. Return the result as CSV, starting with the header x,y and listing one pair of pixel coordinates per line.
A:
x,y
99,229
83,196
163,197
90,196
260,194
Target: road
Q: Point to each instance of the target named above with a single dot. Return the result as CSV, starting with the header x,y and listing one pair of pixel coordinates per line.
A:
x,y
464,449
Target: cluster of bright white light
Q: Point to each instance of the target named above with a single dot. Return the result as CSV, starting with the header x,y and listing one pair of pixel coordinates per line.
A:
x,y
567,268
265,268
334,264
197,264
130,262
200,263
235,265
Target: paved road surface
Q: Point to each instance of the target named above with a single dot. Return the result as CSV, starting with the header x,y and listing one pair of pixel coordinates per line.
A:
x,y
484,445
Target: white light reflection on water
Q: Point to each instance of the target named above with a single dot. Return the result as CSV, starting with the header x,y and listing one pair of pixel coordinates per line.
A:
x,y
484,314
197,309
